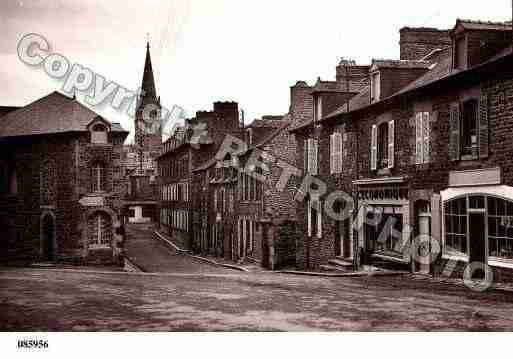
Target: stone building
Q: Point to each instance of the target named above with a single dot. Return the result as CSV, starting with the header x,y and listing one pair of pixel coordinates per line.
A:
x,y
423,152
62,183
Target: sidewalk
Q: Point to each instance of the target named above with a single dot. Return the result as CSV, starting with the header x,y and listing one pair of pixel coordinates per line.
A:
x,y
165,240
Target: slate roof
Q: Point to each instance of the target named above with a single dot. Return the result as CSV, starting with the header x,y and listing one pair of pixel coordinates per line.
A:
x,y
267,121
483,25
328,86
438,71
54,113
400,64
284,124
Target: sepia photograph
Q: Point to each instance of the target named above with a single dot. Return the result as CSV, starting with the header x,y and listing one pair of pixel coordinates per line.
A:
x,y
339,171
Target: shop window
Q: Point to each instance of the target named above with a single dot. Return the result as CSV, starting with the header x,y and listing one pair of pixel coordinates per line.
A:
x,y
384,236
500,228
456,226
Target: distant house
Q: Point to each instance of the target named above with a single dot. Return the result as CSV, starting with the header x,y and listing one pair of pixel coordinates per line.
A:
x,y
61,183
237,215
191,146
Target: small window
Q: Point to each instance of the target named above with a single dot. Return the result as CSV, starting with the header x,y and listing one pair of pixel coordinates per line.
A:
x,y
98,177
99,134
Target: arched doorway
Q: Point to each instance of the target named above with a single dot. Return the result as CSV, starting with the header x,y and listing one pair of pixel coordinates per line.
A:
x,y
48,237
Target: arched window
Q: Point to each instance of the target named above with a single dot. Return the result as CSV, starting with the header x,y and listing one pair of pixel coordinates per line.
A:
x,y
98,177
99,134
100,230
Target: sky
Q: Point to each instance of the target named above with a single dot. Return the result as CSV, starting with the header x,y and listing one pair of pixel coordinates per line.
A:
x,y
215,50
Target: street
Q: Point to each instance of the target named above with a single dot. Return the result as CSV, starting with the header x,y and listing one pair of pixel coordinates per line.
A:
x,y
64,300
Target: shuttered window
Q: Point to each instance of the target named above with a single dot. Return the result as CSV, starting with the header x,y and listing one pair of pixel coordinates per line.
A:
x,y
469,130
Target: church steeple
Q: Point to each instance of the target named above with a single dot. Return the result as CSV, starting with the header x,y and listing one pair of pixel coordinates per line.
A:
x,y
148,81
148,131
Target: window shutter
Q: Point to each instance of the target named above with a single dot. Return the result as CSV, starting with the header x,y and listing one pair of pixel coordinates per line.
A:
x,y
311,156
426,133
344,145
454,129
315,153
309,218
332,154
305,156
419,153
339,152
483,126
391,143
319,219
374,147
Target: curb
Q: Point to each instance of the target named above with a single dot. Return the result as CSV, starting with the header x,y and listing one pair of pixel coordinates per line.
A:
x,y
341,275
171,244
188,252
211,261
150,274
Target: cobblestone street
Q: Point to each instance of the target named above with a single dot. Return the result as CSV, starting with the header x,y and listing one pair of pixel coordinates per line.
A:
x,y
37,299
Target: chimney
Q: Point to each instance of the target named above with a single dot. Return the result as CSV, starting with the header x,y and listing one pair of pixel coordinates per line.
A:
x,y
351,76
301,103
416,43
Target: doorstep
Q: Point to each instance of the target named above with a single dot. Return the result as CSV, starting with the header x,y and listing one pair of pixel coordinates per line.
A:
x,y
370,273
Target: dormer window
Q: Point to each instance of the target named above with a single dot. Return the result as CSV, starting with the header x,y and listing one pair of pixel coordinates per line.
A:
x,y
318,108
375,87
460,53
99,134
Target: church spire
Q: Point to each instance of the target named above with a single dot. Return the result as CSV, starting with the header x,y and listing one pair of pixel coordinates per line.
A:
x,y
148,81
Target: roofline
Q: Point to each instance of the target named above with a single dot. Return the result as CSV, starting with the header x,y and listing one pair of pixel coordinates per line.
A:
x,y
399,94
